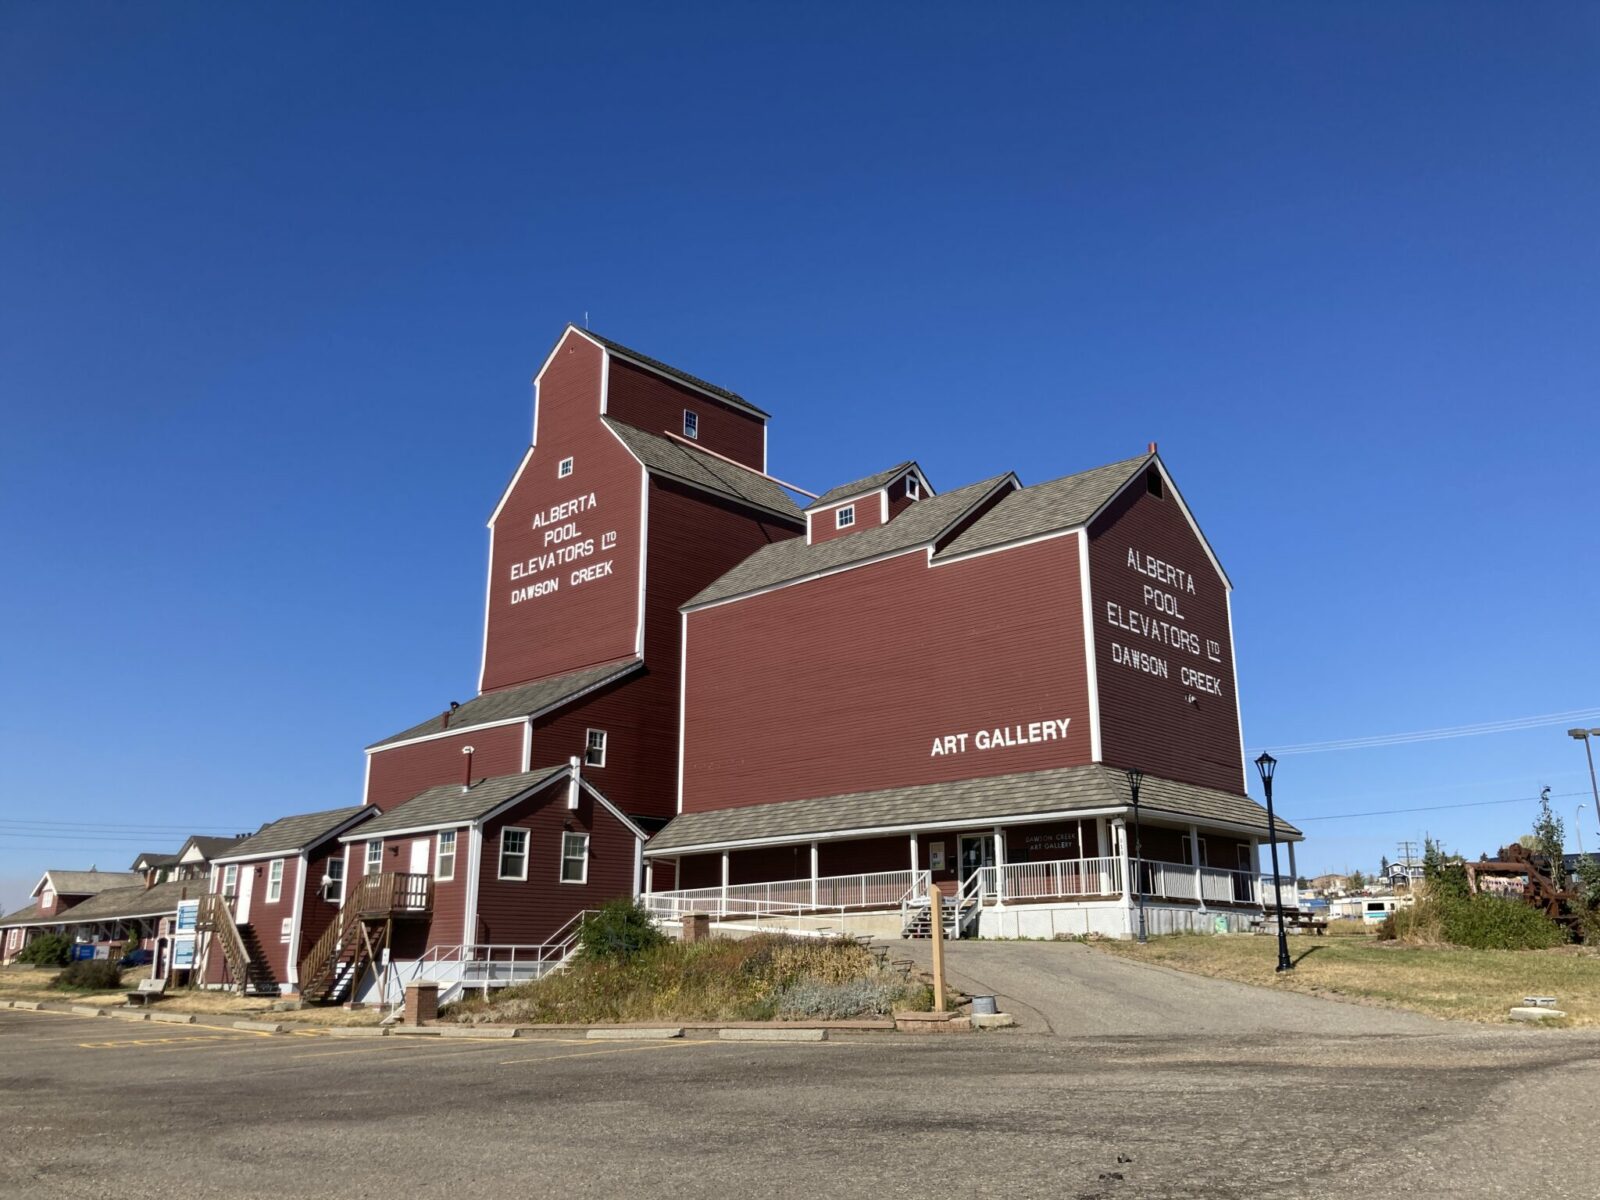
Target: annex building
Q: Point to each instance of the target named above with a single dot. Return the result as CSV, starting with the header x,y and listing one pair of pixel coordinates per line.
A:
x,y
705,687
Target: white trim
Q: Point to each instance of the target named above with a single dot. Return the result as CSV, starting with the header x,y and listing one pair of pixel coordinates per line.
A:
x,y
612,808
409,831
292,971
683,695
940,560
500,855
883,507
1172,489
729,497
439,855
691,419
366,780
605,380
644,556
488,592
444,733
274,894
1238,712
469,916
1092,668
604,740
366,856
527,744
638,865
338,831
844,517
926,547
566,466
561,865
510,487
763,447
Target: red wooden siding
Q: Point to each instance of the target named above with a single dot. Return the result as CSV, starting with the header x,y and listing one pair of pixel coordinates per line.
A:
x,y
1146,719
399,773
869,515
898,500
586,619
645,400
841,684
528,912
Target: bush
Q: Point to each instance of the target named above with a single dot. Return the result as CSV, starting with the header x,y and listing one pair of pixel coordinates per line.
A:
x,y
47,950
620,931
870,997
1477,922
89,975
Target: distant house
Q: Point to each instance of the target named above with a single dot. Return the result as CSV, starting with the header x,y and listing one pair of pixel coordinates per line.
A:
x,y
55,895
1330,883
192,861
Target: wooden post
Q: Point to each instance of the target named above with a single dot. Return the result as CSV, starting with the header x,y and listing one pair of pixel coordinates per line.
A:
x,y
936,912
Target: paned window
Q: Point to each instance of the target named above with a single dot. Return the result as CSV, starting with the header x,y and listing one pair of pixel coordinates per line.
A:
x,y
513,854
275,881
444,862
333,880
374,862
845,517
913,488
230,880
564,468
574,858
594,748
691,424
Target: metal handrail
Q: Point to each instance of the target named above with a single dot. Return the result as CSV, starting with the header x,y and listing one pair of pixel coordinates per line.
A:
x,y
830,893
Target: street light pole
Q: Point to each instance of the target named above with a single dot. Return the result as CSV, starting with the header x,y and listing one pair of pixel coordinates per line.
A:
x,y
1135,778
1584,735
1266,764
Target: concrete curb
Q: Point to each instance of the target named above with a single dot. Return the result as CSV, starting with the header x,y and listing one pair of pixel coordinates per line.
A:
x,y
624,1034
26,1005
478,1031
131,1016
413,1031
87,1010
173,1018
773,1035
261,1026
993,1021
353,1030
1537,1014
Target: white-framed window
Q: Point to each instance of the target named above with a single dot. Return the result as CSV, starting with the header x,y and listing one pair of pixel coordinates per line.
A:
x,y
230,881
594,748
444,858
845,517
286,931
564,468
913,488
574,858
691,424
513,854
47,897
333,880
275,881
374,859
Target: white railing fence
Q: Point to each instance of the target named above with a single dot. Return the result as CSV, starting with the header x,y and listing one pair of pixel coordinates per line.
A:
x,y
482,964
1059,877
831,893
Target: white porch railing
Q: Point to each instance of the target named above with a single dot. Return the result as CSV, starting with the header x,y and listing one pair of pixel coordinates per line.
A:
x,y
485,965
834,893
1060,877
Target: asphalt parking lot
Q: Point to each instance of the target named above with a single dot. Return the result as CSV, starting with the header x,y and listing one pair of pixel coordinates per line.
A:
x,y
94,1107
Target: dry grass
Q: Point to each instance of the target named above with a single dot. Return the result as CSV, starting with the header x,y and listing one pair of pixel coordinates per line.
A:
x,y
26,983
1468,985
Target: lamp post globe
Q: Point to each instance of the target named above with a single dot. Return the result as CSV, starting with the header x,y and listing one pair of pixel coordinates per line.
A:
x,y
1268,765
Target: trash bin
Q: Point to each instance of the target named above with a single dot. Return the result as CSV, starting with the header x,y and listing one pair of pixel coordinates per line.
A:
x,y
983,1006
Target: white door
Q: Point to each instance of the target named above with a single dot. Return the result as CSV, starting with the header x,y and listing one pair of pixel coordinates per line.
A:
x,y
241,909
419,856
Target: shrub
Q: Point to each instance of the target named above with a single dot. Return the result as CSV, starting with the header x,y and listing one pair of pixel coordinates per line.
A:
x,y
870,997
1478,922
47,950
89,975
620,931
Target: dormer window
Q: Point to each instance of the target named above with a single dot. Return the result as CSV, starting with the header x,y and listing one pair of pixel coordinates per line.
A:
x,y
845,517
564,468
1153,484
913,488
691,424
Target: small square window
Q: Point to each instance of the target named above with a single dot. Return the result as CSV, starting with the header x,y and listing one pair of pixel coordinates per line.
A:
x,y
513,854
444,861
594,748
574,858
913,488
845,517
691,424
564,468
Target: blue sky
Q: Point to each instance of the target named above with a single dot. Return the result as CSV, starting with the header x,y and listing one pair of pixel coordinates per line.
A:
x,y
273,284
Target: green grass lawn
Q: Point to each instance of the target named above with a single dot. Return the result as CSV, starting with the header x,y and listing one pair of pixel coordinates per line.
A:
x,y
1471,985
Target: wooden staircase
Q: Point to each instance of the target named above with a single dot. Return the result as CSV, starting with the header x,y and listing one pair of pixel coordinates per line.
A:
x,y
356,940
216,919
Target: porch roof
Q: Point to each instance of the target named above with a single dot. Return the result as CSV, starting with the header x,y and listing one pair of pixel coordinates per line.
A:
x,y
997,798
123,903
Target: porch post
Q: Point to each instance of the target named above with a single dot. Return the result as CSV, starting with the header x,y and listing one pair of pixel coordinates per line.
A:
x,y
814,859
1294,876
1119,835
999,866
1194,853
649,876
724,880
1255,870
914,867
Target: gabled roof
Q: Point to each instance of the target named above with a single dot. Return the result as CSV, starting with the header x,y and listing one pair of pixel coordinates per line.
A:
x,y
1059,504
290,835
524,700
210,847
859,487
154,862
791,560
121,902
677,461
21,917
999,798
655,364
85,883
450,804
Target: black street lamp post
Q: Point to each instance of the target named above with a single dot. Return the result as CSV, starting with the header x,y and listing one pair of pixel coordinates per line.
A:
x,y
1266,764
1135,777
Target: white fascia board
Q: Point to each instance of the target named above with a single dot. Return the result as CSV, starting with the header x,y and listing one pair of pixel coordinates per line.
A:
x,y
366,779
444,733
38,887
336,832
522,466
293,967
361,835
927,548
940,560
527,744
1092,670
605,379
469,916
264,856
683,695
851,499
1238,711
1183,507
1215,824
644,554
884,830
611,808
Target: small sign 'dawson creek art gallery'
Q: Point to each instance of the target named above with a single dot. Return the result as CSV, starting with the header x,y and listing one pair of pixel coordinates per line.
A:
x,y
703,687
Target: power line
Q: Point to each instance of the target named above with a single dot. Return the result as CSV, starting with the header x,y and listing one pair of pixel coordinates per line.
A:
x,y
110,825
1510,725
1386,812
